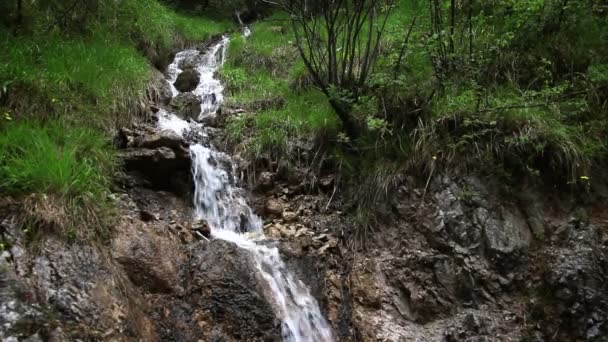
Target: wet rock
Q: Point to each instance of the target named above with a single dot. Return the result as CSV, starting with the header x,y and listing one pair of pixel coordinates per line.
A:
x,y
230,297
187,106
190,62
211,120
165,138
187,80
201,227
160,166
161,90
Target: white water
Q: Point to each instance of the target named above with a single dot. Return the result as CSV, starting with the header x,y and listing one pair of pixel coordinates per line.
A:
x,y
218,200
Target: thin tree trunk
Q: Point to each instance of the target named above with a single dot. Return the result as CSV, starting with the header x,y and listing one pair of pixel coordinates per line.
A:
x,y
19,12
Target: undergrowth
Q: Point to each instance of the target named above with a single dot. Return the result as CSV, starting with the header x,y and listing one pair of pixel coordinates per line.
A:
x,y
72,165
70,73
261,76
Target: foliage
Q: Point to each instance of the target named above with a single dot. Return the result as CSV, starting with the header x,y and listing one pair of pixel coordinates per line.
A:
x,y
339,43
73,165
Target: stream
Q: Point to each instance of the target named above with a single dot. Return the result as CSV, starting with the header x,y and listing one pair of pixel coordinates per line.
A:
x,y
219,201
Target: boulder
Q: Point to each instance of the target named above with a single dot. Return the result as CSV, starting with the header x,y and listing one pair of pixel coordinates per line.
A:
x,y
187,106
187,80
210,120
151,261
201,227
506,235
230,296
165,138
190,62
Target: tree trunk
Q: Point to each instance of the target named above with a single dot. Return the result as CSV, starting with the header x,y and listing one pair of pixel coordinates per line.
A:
x,y
19,12
348,123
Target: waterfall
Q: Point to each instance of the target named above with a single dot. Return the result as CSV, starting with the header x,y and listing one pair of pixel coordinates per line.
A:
x,y
219,201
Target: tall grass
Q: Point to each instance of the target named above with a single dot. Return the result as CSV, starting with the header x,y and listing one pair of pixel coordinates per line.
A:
x,y
52,158
69,167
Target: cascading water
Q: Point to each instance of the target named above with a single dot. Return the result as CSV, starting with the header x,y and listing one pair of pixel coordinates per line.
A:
x,y
221,203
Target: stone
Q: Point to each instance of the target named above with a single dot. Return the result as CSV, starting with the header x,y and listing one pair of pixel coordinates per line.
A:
x,y
187,80
289,216
274,207
201,227
147,216
509,234
226,290
151,261
190,62
266,181
187,106
327,183
210,120
165,138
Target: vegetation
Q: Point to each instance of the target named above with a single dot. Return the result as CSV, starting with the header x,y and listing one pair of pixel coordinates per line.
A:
x,y
514,86
69,73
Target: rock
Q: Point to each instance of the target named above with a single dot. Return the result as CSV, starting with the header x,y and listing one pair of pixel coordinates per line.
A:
x,y
151,261
147,216
165,138
187,80
186,106
225,289
72,286
160,165
507,235
332,243
210,120
201,227
574,288
161,90
274,207
289,216
266,181
327,183
190,62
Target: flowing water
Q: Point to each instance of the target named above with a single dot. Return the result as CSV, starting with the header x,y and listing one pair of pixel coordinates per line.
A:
x,y
219,201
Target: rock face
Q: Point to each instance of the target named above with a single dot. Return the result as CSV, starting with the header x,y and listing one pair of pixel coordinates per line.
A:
x,y
187,80
225,286
187,106
158,157
88,298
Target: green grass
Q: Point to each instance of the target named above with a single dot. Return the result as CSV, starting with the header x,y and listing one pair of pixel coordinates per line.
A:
x,y
100,75
263,74
304,115
63,90
95,76
68,169
52,158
